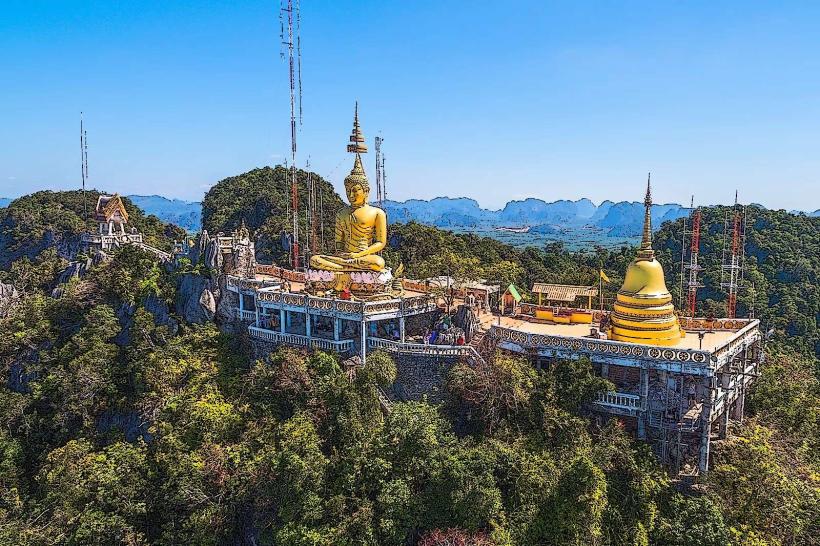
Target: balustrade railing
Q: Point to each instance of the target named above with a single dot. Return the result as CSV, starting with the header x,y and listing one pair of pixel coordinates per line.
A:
x,y
619,400
423,348
691,359
301,341
245,315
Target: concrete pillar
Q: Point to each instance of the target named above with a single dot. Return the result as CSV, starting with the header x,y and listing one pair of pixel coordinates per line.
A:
x,y
401,329
337,327
288,319
256,312
740,403
364,341
308,333
282,317
241,302
724,424
604,370
642,416
705,434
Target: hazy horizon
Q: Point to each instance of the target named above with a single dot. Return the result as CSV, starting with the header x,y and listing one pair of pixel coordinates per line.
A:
x,y
539,99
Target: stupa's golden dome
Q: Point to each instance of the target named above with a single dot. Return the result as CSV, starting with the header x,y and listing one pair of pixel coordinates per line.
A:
x,y
643,310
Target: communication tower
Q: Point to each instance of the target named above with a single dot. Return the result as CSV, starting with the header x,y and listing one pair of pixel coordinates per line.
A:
x,y
734,255
84,164
292,42
690,268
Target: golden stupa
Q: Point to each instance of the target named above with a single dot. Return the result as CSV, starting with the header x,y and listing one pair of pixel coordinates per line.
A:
x,y
643,310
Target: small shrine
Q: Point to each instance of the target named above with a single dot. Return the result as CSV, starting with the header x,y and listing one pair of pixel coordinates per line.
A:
x,y
111,215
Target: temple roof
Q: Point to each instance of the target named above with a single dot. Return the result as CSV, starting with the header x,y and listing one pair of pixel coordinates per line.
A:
x,y
563,292
108,206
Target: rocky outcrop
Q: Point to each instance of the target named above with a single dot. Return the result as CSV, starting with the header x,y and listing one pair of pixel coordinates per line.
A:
x,y
67,246
8,297
466,319
196,298
162,313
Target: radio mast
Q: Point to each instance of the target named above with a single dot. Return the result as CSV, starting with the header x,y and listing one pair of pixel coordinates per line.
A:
x,y
293,43
734,255
694,268
379,178
84,164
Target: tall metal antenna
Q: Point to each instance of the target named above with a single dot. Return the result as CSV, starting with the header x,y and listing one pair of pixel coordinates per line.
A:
x,y
734,256
379,188
694,268
312,215
84,164
684,233
293,45
384,180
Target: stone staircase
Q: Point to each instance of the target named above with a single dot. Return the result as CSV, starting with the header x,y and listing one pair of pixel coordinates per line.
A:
x,y
161,254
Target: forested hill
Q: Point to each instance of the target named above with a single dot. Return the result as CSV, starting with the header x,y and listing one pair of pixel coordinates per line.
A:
x,y
124,424
261,198
781,283
47,219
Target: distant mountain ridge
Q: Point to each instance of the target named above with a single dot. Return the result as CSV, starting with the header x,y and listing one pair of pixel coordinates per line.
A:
x,y
622,219
185,214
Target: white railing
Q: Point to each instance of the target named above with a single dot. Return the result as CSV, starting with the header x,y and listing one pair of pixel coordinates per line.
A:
x,y
245,315
297,340
422,348
619,400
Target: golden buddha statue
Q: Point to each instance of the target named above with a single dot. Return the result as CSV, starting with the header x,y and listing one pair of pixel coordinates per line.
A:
x,y
361,229
643,310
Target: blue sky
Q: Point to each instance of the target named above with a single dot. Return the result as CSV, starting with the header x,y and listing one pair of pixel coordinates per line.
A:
x,y
488,100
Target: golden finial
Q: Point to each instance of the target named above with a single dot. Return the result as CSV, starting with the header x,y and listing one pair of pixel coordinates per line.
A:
x,y
357,144
646,252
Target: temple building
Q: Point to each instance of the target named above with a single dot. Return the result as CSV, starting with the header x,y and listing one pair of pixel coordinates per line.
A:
x,y
643,310
677,381
111,215
112,218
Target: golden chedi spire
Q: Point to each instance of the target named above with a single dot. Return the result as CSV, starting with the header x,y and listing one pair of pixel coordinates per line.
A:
x,y
357,144
643,310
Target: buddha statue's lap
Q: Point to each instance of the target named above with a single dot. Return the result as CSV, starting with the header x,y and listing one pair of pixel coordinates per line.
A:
x,y
338,263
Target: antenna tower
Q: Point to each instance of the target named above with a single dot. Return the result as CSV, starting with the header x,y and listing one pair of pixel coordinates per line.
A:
x,y
84,164
312,216
384,181
693,267
734,255
293,43
379,183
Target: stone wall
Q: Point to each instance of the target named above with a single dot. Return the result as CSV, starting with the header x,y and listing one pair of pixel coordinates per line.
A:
x,y
420,375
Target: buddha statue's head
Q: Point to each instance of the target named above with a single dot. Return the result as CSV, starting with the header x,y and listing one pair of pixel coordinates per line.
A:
x,y
356,185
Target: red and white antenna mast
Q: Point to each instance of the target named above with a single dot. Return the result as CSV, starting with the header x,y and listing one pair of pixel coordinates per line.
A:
x,y
733,255
293,44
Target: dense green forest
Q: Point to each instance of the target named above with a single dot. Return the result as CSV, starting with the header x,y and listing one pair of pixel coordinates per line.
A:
x,y
119,429
261,198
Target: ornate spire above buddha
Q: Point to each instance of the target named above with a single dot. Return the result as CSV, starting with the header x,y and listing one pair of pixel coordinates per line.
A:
x,y
361,229
643,310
